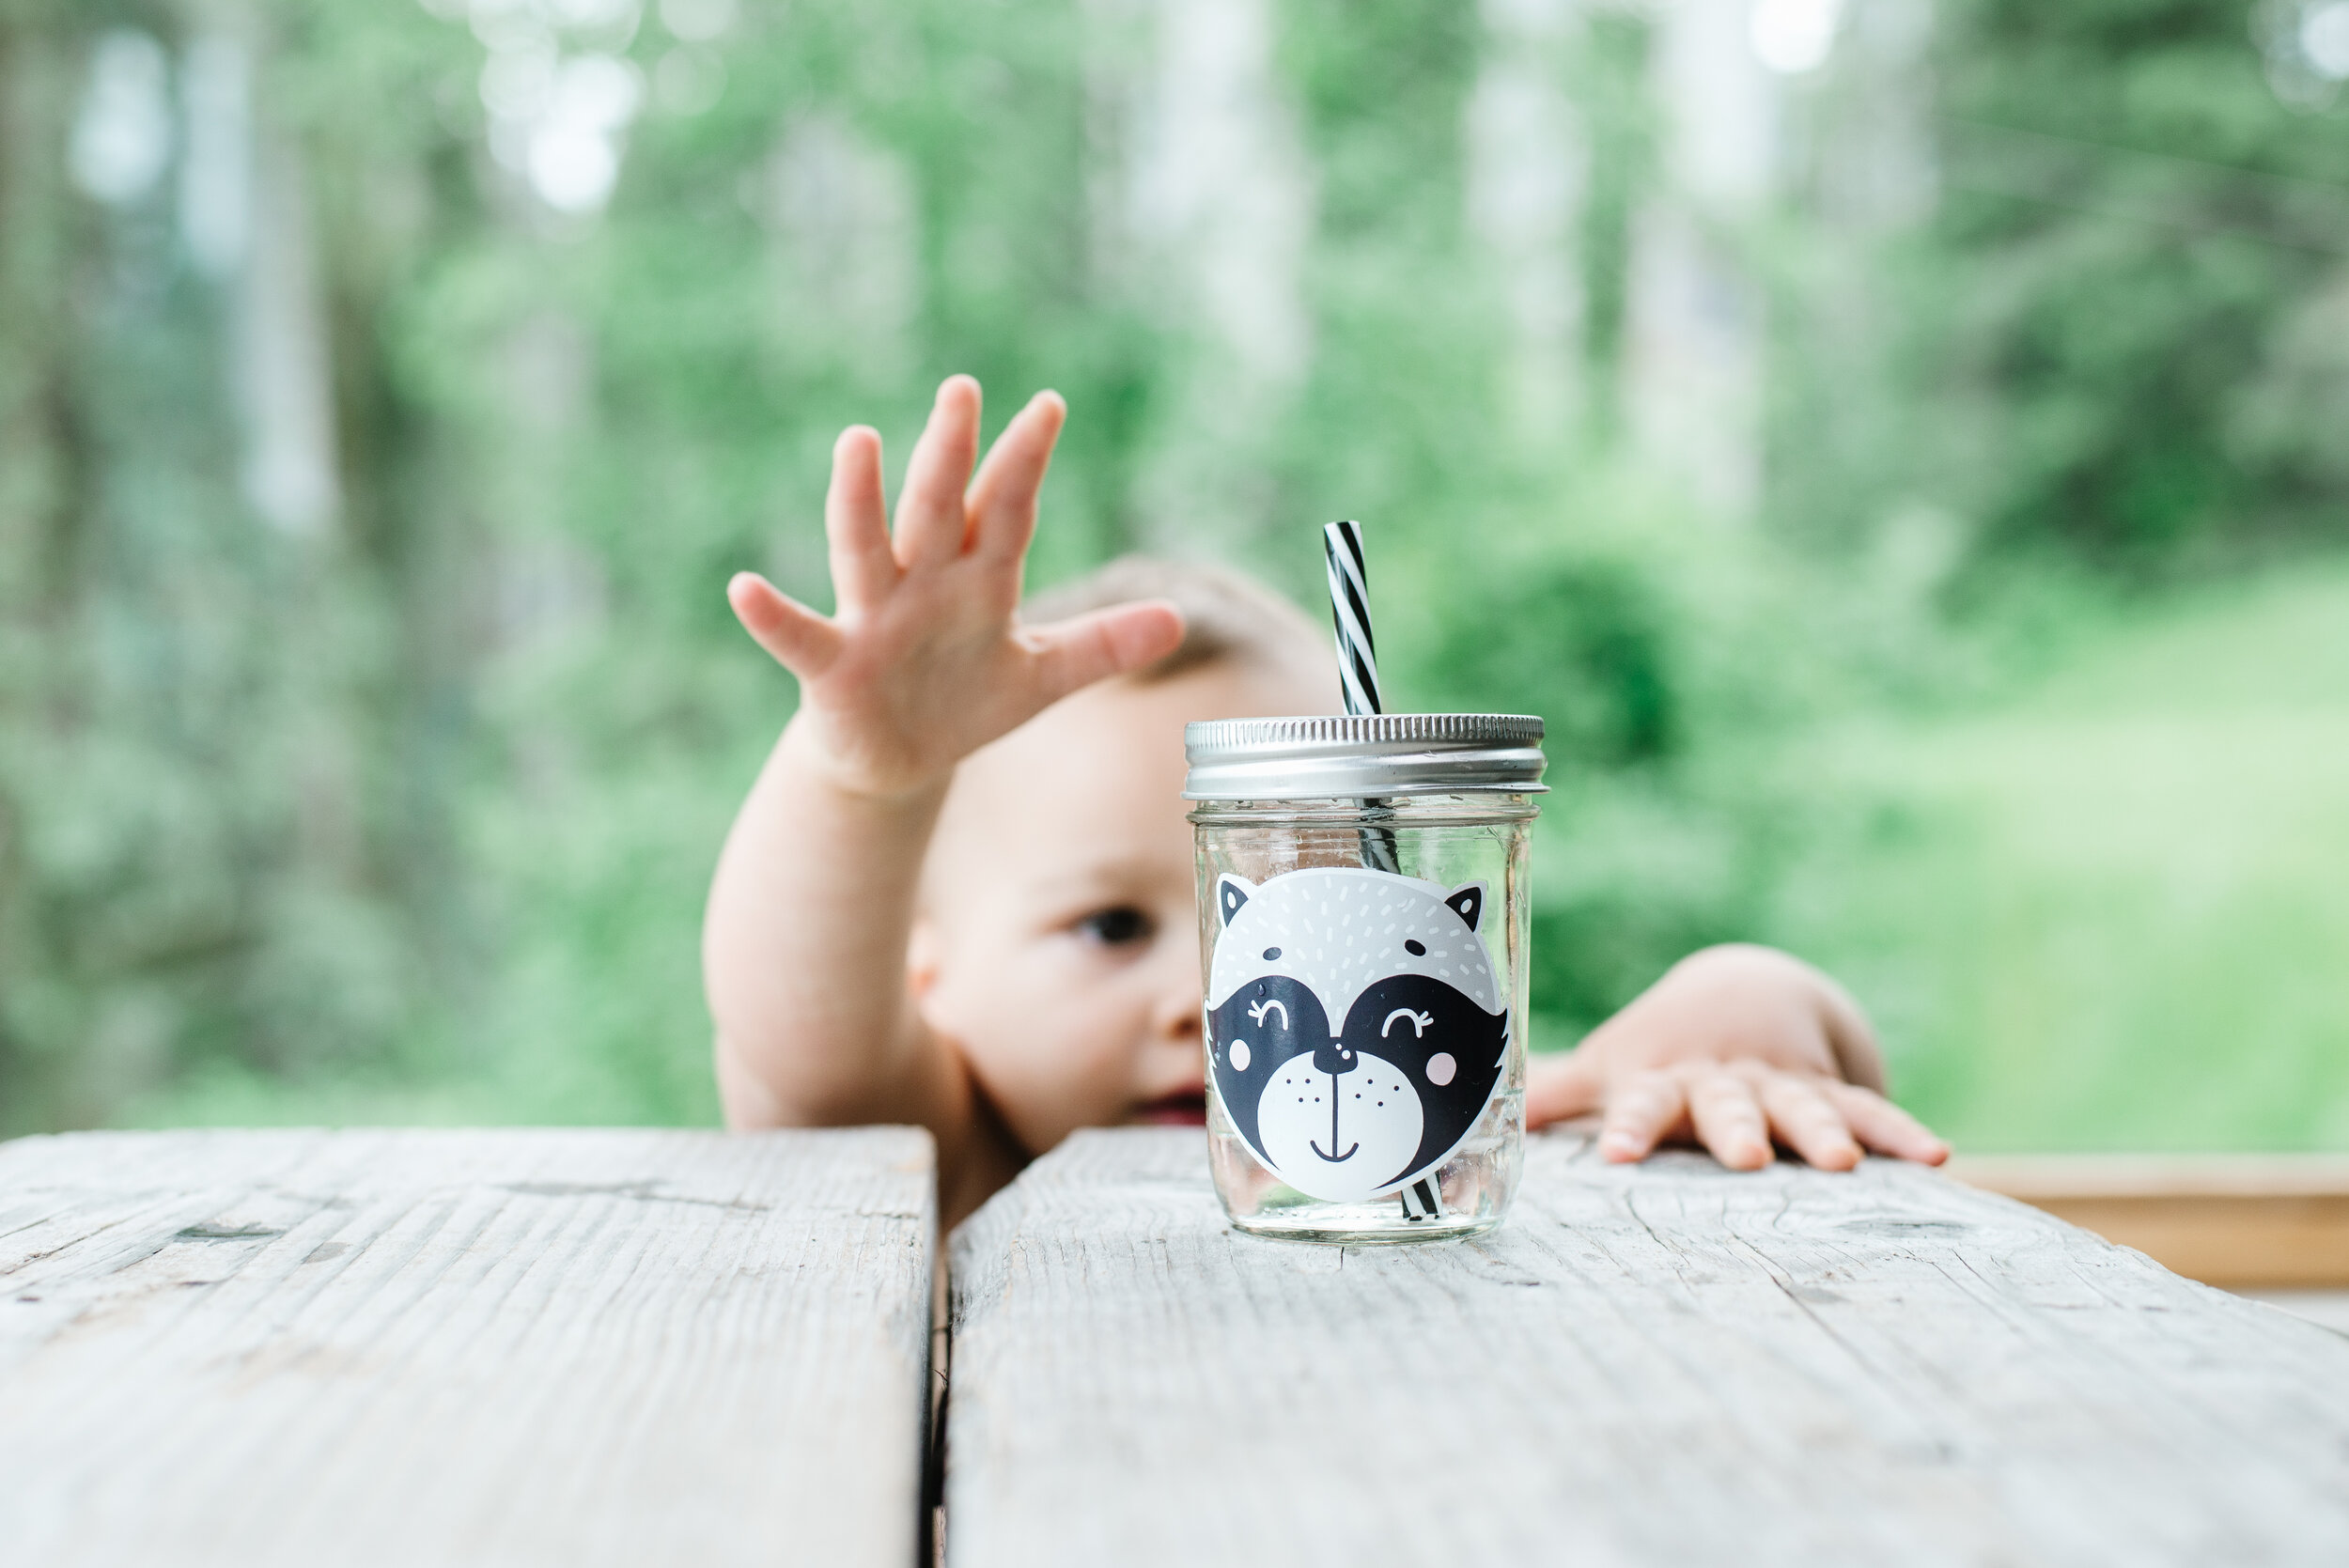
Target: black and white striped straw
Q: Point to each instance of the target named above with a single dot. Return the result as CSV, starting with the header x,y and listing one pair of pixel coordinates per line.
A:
x,y
1357,662
1349,607
1358,672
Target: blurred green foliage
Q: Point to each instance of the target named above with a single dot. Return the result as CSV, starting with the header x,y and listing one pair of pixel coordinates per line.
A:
x,y
409,816
2105,912
2126,304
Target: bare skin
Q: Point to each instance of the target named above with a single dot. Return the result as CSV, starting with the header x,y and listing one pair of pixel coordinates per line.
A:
x,y
960,893
1739,1049
810,920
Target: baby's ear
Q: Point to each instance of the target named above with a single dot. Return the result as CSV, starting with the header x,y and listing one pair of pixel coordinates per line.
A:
x,y
1230,894
1467,902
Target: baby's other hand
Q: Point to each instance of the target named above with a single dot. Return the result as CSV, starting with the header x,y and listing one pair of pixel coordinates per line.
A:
x,y
923,660
1735,1045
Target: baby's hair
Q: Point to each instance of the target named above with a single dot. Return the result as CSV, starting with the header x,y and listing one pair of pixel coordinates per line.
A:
x,y
1226,614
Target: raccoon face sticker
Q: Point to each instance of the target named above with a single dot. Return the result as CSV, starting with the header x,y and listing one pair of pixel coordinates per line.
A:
x,y
1355,1027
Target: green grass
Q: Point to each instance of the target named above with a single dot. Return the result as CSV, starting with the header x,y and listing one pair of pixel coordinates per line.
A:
x,y
2111,911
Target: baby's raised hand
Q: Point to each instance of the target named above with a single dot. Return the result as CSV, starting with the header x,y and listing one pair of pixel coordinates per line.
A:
x,y
923,659
1737,1046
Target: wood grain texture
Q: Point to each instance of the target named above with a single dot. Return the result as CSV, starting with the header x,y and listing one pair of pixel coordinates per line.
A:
x,y
1666,1363
453,1349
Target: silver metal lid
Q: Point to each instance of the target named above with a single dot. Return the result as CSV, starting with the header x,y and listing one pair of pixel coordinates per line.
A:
x,y
1335,756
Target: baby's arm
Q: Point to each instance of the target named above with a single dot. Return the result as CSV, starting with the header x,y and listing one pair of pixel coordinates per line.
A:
x,y
922,662
1735,1045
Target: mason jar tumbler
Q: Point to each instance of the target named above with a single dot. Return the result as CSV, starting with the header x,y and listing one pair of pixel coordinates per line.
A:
x,y
1363,926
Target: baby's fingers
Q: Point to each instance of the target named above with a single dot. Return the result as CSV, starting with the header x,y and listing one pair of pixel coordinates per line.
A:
x,y
1885,1127
801,641
931,522
1002,497
856,524
1640,1110
1557,1087
1806,1123
1729,1120
1085,648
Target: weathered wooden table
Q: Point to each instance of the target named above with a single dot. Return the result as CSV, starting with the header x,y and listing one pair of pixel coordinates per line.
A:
x,y
452,1348
445,1348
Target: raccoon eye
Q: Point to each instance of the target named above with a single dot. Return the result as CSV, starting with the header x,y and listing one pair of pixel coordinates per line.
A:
x,y
1117,928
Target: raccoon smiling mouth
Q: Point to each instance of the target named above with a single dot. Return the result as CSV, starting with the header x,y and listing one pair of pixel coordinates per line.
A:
x,y
1314,1144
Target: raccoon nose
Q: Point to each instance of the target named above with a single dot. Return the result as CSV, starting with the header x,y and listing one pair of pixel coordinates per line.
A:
x,y
1334,1058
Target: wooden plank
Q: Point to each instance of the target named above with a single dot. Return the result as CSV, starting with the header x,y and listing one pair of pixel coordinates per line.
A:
x,y
449,1348
2243,1221
1664,1363
2328,1308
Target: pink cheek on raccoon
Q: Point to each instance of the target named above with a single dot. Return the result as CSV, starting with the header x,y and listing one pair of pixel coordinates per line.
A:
x,y
1440,1067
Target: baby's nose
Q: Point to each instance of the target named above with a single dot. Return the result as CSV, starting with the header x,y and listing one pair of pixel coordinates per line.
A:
x,y
1178,1017
1334,1058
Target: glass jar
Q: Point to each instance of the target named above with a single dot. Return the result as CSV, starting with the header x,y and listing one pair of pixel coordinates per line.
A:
x,y
1363,922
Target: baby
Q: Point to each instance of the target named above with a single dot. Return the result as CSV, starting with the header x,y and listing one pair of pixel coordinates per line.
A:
x,y
960,893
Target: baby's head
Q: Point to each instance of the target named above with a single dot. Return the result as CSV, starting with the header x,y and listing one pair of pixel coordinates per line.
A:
x,y
1058,939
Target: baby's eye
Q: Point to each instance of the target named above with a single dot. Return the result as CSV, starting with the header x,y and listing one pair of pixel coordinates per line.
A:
x,y
1115,927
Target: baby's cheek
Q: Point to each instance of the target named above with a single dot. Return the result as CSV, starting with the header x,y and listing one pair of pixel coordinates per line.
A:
x,y
1054,1067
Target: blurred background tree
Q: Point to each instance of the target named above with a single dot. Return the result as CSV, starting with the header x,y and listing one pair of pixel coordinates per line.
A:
x,y
1898,446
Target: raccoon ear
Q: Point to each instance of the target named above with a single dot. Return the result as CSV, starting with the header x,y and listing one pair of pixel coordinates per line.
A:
x,y
1230,894
1467,902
